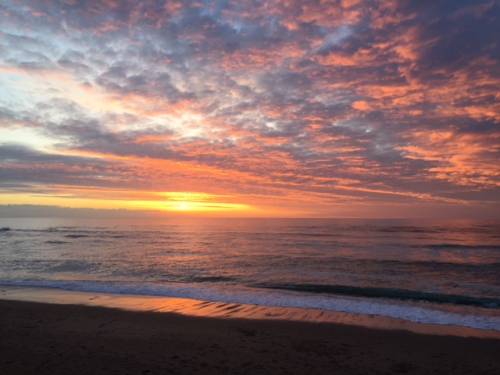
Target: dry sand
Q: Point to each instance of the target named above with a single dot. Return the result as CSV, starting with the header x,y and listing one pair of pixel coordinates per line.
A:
x,y
37,338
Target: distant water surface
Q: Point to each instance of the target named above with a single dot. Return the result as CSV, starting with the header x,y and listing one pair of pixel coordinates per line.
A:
x,y
426,271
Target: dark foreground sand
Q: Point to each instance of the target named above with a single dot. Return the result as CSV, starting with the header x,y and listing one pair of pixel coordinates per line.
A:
x,y
67,339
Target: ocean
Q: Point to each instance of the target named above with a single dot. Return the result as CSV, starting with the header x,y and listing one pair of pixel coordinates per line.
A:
x,y
434,272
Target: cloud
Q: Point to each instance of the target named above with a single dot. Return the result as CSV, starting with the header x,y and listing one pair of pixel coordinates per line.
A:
x,y
318,102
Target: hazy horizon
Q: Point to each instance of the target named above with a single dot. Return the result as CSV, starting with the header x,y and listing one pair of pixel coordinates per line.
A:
x,y
37,211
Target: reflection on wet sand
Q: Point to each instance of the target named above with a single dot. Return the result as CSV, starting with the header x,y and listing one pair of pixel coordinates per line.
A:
x,y
194,307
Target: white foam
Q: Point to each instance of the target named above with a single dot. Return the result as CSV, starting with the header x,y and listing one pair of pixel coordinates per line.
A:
x,y
231,294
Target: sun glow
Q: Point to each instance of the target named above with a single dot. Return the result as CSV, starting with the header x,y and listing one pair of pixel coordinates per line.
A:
x,y
197,202
184,206
175,202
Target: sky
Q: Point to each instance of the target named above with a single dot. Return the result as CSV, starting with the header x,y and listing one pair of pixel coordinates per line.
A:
x,y
252,108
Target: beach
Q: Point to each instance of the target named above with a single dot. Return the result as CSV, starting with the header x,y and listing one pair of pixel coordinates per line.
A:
x,y
249,297
41,338
443,273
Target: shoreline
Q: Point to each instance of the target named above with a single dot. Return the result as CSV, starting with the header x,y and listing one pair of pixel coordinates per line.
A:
x,y
45,338
207,309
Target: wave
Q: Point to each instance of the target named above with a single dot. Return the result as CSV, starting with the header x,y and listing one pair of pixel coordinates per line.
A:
x,y
409,229
274,298
431,263
389,293
210,279
76,235
454,246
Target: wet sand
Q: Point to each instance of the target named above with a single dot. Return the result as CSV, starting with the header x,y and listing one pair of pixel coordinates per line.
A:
x,y
219,309
38,338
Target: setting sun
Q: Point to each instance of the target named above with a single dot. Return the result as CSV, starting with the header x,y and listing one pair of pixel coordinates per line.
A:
x,y
190,202
184,206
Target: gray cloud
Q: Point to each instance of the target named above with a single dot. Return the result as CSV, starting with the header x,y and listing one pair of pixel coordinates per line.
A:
x,y
401,98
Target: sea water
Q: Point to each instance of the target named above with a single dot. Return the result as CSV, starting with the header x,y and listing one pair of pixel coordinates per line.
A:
x,y
437,272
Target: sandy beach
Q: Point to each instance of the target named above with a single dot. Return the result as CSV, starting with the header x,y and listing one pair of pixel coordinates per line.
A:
x,y
38,338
